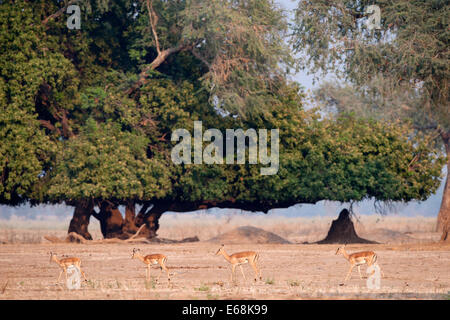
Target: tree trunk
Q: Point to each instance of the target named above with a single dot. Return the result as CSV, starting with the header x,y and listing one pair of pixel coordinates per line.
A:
x,y
111,220
151,219
113,225
81,216
443,223
130,217
343,231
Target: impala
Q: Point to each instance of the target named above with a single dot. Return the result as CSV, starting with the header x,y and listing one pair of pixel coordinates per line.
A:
x,y
66,262
357,259
152,259
240,258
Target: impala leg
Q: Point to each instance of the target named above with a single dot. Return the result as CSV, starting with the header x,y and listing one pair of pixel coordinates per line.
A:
x,y
233,268
65,273
257,271
242,271
147,273
167,271
349,273
359,271
160,271
60,275
82,273
256,266
381,271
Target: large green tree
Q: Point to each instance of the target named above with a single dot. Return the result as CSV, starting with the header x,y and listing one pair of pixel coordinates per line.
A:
x,y
87,115
398,71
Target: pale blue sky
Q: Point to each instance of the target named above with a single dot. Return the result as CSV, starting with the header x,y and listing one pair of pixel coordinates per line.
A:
x,y
324,208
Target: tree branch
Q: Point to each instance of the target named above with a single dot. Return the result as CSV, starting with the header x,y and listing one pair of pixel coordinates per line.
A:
x,y
417,156
181,206
59,12
144,209
65,125
47,124
137,232
162,56
153,22
444,135
199,57
428,127
96,214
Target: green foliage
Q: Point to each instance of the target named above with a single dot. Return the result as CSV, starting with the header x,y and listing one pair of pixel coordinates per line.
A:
x,y
70,129
410,49
26,154
380,100
346,159
238,46
25,151
104,162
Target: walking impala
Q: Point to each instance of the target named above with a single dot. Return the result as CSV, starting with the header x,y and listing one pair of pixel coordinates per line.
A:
x,y
240,258
152,259
357,259
66,262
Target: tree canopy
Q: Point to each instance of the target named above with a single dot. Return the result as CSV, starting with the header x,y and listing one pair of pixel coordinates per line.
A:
x,y
398,71
87,115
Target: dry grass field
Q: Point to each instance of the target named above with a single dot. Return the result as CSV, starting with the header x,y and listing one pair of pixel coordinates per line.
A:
x,y
414,265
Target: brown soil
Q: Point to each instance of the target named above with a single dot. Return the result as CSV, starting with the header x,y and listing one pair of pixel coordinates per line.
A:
x,y
289,271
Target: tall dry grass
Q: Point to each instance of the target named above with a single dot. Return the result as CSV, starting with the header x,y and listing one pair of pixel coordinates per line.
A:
x,y
19,230
295,229
206,226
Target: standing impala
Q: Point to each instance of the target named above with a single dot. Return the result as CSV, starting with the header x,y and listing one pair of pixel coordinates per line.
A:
x,y
66,262
152,259
357,259
240,258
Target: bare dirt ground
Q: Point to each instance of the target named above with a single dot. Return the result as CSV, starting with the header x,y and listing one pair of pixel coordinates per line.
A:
x,y
289,271
414,264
